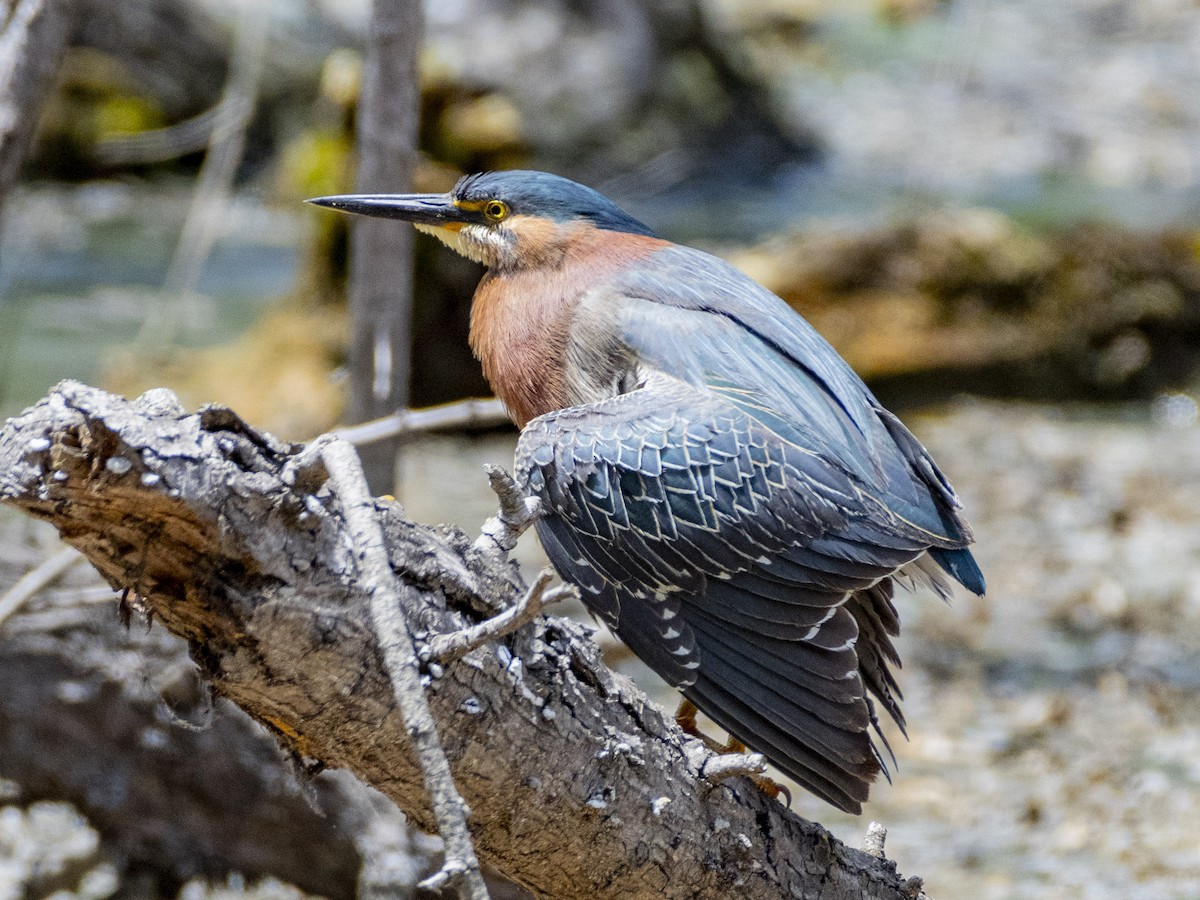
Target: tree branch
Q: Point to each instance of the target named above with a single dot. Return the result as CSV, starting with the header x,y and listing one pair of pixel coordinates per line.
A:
x,y
517,512
378,581
36,579
447,647
471,413
578,785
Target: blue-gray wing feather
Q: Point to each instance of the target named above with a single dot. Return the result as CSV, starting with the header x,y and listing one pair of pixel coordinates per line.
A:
x,y
696,550
702,320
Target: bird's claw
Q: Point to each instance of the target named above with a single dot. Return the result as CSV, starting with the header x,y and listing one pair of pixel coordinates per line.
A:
x,y
730,759
517,512
773,789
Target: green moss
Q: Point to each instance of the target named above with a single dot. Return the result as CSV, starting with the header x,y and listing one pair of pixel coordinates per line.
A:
x,y
118,114
316,163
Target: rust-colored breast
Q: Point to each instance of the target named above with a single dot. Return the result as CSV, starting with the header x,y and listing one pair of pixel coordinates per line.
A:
x,y
521,319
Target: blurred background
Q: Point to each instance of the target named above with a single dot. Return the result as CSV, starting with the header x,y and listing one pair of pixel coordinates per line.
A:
x,y
992,209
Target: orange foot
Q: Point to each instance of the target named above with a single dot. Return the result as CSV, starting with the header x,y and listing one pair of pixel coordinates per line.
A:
x,y
685,718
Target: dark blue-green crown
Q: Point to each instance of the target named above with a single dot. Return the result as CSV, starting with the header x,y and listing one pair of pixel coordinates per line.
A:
x,y
551,196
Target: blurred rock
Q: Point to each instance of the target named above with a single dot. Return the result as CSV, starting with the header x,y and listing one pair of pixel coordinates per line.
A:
x,y
48,848
1039,104
964,298
604,88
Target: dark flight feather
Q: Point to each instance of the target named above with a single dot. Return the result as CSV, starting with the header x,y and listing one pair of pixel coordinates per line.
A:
x,y
728,571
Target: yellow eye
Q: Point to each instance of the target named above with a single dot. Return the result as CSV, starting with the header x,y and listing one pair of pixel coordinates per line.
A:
x,y
495,210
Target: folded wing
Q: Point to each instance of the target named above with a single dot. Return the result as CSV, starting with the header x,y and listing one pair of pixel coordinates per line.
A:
x,y
737,563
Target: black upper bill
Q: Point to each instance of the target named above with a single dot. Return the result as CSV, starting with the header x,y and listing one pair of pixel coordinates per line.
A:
x,y
420,209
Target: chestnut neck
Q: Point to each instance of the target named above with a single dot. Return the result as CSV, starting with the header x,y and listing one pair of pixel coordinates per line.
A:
x,y
522,318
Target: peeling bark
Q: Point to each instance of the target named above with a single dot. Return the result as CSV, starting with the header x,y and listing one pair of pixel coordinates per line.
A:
x,y
578,786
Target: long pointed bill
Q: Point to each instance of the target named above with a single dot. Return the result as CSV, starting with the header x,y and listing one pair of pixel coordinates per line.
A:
x,y
420,209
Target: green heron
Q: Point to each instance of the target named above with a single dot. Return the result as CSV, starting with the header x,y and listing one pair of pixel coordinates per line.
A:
x,y
726,493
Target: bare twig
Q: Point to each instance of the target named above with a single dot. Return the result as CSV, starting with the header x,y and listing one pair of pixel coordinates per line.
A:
x,y
448,647
400,662
718,768
37,578
517,513
472,413
450,872
160,144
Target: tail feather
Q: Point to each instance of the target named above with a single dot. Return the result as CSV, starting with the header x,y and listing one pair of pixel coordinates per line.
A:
x,y
842,789
961,566
802,706
787,658
877,625
773,671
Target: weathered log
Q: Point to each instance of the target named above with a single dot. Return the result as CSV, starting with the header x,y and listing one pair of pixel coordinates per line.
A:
x,y
79,723
578,785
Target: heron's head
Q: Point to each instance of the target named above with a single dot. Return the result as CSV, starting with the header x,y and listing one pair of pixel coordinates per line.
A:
x,y
504,220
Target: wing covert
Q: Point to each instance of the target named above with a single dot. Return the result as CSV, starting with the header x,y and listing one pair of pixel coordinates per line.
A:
x,y
723,553
701,320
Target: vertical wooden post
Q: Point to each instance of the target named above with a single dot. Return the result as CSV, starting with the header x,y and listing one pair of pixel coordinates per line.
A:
x,y
33,39
380,285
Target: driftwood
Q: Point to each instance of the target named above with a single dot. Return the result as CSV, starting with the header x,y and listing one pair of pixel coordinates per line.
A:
x,y
398,651
578,786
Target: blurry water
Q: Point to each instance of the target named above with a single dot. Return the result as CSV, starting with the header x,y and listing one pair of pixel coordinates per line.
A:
x,y
80,267
1054,112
